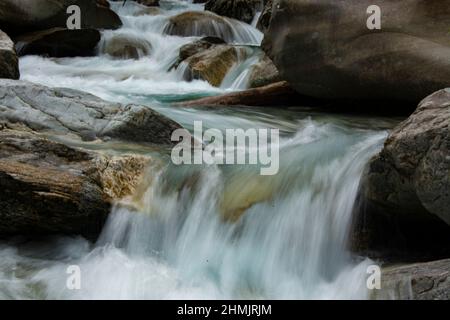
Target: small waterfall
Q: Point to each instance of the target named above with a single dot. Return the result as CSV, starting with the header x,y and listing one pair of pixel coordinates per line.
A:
x,y
239,75
135,61
256,19
289,243
206,232
125,45
258,14
212,25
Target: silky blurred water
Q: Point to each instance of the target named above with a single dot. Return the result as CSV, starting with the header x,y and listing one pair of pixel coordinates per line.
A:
x,y
206,232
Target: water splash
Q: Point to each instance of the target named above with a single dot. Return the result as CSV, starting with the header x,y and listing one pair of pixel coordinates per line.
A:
x,y
239,76
148,77
176,240
206,232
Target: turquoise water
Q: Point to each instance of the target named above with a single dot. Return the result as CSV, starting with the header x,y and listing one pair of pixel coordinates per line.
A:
x,y
206,232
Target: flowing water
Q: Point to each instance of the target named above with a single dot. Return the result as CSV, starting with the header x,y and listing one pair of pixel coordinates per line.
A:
x,y
206,232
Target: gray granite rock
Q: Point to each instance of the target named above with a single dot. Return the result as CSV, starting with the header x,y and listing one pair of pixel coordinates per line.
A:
x,y
411,175
71,111
419,281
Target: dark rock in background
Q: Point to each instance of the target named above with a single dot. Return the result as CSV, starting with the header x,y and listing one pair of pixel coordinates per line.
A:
x,y
59,42
325,50
21,16
243,10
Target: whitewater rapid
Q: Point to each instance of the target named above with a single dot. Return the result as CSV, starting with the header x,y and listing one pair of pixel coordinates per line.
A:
x,y
207,232
179,237
149,78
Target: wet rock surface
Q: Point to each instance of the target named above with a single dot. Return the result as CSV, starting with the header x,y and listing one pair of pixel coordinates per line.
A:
x,y
411,175
244,10
264,73
420,281
202,24
68,111
9,63
20,16
275,94
405,193
213,64
50,188
325,50
59,42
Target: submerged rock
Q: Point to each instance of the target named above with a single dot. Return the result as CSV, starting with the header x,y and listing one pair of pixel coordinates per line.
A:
x,y
324,49
68,111
50,188
148,11
125,46
243,191
9,64
200,24
19,16
420,281
59,42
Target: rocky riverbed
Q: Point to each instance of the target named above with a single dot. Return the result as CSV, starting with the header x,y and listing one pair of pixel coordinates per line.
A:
x,y
86,118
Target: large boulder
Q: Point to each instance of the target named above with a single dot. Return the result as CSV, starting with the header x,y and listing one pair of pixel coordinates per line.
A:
x,y
419,281
68,111
406,189
18,16
244,10
9,64
50,188
324,48
411,175
59,42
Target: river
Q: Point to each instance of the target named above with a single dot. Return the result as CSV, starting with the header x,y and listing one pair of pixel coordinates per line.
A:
x,y
207,232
